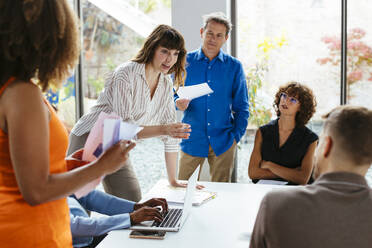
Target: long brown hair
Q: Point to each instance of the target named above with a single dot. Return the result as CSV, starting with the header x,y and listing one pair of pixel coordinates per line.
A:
x,y
38,39
167,37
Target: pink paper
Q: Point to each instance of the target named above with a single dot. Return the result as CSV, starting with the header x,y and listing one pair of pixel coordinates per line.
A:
x,y
103,135
92,150
83,191
93,145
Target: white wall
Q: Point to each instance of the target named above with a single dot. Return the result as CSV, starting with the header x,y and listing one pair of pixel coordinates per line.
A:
x,y
187,18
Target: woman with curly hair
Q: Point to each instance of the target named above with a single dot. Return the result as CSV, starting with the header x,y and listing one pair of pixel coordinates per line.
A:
x,y
284,148
39,45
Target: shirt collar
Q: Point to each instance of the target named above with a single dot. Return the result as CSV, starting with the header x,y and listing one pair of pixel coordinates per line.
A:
x,y
341,177
140,69
200,55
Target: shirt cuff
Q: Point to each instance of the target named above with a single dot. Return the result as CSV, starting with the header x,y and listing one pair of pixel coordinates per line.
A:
x,y
131,208
171,144
171,148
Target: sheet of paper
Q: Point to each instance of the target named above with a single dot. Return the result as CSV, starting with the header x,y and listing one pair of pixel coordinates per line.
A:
x,y
177,195
93,145
111,130
272,182
115,130
194,91
128,130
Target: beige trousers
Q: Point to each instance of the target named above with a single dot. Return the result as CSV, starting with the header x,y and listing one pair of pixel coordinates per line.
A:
x,y
220,167
122,183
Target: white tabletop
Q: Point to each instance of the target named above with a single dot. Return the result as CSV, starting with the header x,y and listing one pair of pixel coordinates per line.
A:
x,y
226,221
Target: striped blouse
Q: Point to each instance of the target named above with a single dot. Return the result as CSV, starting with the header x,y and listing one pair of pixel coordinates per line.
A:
x,y
127,93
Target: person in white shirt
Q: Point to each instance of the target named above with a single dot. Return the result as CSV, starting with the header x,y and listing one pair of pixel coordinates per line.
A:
x,y
141,92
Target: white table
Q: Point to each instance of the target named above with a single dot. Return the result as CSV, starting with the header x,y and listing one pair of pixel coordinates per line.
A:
x,y
226,221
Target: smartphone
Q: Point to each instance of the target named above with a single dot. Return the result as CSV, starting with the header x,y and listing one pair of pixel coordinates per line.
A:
x,y
147,234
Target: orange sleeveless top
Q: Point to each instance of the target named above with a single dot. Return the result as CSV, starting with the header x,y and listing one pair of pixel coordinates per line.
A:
x,y
44,225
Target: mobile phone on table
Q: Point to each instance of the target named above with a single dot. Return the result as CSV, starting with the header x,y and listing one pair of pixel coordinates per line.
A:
x,y
147,234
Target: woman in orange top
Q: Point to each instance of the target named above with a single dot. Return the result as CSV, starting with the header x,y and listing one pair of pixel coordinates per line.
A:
x,y
38,39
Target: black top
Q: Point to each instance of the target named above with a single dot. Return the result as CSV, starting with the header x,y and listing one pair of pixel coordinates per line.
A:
x,y
291,153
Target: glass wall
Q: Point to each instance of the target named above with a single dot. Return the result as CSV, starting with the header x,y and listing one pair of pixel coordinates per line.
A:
x,y
110,39
278,42
113,32
359,52
63,99
283,41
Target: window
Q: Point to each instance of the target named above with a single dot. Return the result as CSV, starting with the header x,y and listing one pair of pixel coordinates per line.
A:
x,y
359,52
282,41
64,99
113,33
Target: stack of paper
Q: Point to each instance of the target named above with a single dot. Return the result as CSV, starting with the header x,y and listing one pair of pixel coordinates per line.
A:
x,y
107,131
93,145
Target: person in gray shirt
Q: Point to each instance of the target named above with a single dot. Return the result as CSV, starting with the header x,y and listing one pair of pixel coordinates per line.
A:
x,y
335,211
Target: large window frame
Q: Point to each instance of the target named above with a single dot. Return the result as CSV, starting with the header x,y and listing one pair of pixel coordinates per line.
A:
x,y
233,9
343,89
79,94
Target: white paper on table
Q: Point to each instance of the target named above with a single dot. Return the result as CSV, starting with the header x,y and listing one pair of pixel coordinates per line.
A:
x,y
273,182
194,91
177,195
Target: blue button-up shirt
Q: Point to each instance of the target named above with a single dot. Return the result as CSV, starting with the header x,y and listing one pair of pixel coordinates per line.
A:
x,y
83,227
218,118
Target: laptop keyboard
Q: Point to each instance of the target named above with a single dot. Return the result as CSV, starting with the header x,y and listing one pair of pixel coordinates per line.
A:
x,y
170,218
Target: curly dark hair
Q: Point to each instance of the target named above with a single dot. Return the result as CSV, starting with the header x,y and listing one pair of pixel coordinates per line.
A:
x,y
38,40
304,95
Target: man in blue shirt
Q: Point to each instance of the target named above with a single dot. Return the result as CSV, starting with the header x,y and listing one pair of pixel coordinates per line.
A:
x,y
218,120
119,214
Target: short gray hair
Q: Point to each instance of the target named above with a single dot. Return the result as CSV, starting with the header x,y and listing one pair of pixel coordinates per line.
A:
x,y
218,17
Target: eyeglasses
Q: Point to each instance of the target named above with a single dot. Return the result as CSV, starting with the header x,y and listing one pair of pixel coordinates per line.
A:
x,y
292,100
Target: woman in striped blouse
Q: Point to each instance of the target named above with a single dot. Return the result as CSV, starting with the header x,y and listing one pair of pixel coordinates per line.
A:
x,y
141,91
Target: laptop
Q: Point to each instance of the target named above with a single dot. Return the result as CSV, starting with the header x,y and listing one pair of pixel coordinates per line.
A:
x,y
175,217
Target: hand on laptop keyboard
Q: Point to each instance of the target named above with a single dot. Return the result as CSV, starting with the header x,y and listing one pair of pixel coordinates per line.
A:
x,y
145,214
154,202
